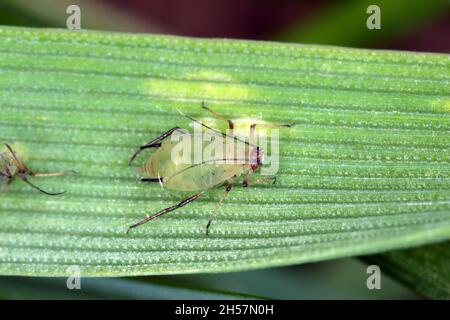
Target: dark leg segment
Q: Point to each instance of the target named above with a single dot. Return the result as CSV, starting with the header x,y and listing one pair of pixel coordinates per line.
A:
x,y
213,215
152,180
24,179
18,163
247,182
155,143
167,210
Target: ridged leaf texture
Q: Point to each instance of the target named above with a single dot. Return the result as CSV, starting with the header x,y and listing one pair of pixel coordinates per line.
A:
x,y
365,169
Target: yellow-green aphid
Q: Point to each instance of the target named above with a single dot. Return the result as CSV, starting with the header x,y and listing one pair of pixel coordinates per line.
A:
x,y
11,167
200,177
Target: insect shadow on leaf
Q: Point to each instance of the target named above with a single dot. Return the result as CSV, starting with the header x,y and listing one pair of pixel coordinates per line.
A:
x,y
205,175
11,167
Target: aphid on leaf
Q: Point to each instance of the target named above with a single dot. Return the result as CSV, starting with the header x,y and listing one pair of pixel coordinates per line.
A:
x,y
11,167
207,174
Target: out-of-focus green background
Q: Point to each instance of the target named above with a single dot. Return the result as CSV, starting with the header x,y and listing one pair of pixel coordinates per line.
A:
x,y
415,25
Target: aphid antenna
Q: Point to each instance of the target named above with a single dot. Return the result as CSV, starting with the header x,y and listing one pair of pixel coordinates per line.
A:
x,y
25,179
214,130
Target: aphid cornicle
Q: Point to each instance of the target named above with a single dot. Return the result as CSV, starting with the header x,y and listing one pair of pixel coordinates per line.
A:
x,y
200,177
11,167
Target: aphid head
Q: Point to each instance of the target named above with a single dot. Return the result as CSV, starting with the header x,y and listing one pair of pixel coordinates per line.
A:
x,y
256,158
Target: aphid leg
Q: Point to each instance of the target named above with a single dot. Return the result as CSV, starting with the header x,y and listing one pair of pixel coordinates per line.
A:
x,y
251,137
7,174
225,135
273,179
213,214
159,180
164,211
13,153
267,125
271,125
217,115
25,179
155,143
248,183
152,179
19,164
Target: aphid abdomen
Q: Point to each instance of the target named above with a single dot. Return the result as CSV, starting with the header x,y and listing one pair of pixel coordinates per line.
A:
x,y
152,166
201,177
179,174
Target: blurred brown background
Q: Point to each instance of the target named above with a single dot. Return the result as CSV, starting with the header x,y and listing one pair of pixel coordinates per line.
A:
x,y
406,25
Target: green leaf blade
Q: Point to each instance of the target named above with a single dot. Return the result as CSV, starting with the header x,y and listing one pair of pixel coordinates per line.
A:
x,y
364,170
